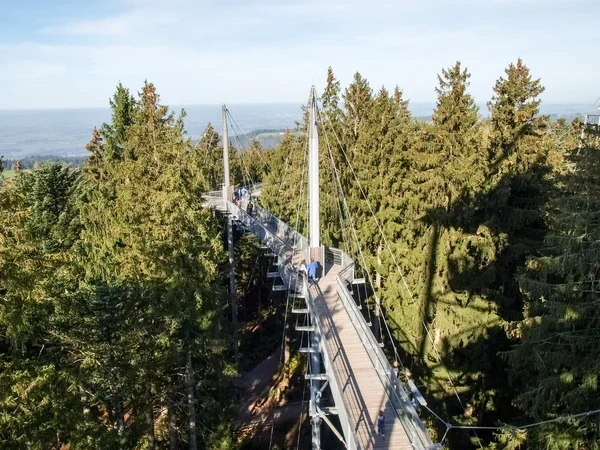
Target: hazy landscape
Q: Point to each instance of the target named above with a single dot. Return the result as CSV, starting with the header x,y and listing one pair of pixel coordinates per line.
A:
x,y
65,132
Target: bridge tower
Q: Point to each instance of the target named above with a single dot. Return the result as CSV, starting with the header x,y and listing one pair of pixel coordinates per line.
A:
x,y
228,195
316,252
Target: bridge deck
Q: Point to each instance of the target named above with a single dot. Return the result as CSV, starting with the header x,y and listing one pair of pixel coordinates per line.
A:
x,y
363,393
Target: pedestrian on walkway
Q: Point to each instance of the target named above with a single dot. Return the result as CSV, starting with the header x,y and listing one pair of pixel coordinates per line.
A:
x,y
302,269
381,424
312,270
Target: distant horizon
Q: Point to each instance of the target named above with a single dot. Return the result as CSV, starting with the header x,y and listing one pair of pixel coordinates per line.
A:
x,y
594,105
66,131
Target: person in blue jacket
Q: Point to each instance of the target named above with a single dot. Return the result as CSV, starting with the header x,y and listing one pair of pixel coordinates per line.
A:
x,y
312,270
381,424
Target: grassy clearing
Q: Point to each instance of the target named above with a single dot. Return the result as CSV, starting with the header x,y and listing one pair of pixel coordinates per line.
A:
x,y
8,174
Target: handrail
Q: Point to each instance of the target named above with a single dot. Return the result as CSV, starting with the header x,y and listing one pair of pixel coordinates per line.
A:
x,y
403,407
263,232
277,234
283,229
340,402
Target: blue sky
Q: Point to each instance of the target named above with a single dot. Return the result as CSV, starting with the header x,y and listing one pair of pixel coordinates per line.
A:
x,y
72,53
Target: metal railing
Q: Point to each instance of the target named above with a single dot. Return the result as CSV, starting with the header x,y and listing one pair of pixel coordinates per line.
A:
x,y
280,228
266,231
281,238
336,392
403,407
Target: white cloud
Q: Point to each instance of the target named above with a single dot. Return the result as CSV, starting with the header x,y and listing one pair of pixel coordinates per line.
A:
x,y
125,26
269,51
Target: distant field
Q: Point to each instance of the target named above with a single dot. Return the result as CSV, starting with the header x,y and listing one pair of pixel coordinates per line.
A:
x,y
8,174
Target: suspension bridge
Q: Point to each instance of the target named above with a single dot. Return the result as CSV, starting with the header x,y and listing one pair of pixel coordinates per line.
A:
x,y
346,360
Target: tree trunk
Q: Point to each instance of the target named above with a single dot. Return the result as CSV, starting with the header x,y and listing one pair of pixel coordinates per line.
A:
x,y
191,401
149,413
377,274
83,397
120,415
173,439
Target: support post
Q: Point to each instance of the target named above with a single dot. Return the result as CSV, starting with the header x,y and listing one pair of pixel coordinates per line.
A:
x,y
315,388
313,172
232,290
227,191
314,250
227,196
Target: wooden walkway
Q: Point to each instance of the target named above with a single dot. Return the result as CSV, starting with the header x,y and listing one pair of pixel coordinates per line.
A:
x,y
363,393
361,388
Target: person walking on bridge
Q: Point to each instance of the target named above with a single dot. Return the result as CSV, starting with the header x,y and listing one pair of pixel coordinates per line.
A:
x,y
302,269
312,270
381,424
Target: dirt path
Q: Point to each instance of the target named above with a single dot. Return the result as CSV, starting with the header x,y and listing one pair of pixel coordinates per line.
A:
x,y
257,415
253,388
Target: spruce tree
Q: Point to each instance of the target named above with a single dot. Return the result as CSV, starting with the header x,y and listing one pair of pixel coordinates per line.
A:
x,y
555,364
39,402
114,133
210,158
516,182
358,100
150,248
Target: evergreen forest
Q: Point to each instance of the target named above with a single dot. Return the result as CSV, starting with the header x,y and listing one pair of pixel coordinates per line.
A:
x,y
479,238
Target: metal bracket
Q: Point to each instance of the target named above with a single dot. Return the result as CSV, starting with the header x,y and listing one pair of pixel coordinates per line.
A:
x,y
331,426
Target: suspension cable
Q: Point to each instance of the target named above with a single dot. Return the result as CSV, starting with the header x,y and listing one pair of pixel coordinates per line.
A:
x,y
450,426
347,240
439,357
251,145
353,228
250,181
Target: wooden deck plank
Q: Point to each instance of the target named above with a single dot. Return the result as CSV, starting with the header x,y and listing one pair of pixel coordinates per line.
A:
x,y
362,390
363,393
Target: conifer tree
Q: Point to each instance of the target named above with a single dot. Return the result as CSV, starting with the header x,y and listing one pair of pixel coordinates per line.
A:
x,y
518,164
210,158
358,99
38,224
515,110
330,100
148,229
114,133
555,364
432,241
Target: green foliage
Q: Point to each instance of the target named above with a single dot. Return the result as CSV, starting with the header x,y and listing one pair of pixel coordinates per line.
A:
x,y
460,201
111,305
554,363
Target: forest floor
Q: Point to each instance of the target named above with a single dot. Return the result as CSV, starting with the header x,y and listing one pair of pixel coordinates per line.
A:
x,y
263,416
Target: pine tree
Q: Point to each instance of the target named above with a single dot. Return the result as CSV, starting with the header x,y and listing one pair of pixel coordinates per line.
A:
x,y
38,225
150,228
114,133
358,100
555,364
515,111
210,158
518,163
